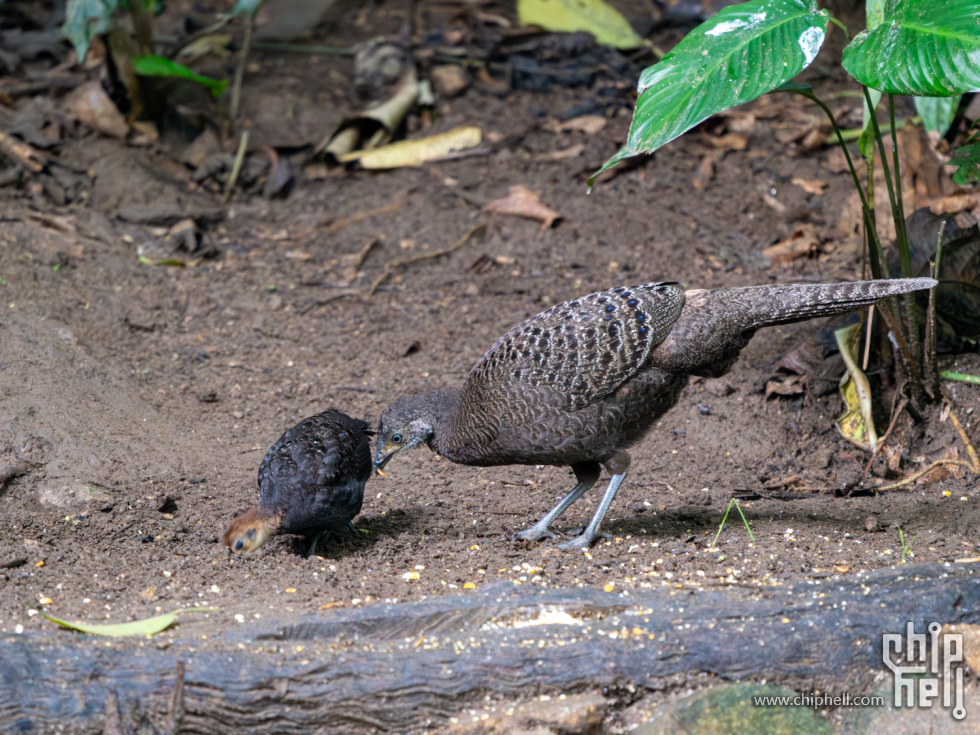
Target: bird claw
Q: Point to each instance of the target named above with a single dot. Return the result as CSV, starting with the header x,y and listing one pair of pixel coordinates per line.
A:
x,y
583,541
579,542
535,534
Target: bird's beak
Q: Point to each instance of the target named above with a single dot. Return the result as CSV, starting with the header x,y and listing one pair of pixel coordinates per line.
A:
x,y
380,460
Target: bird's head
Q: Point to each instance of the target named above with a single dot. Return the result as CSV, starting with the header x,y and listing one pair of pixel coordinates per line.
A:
x,y
403,425
249,531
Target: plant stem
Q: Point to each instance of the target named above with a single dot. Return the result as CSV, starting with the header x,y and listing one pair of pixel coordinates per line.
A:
x,y
236,167
930,355
877,257
236,87
887,171
900,231
962,377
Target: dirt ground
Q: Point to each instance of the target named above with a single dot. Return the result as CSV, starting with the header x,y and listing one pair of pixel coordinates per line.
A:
x,y
144,397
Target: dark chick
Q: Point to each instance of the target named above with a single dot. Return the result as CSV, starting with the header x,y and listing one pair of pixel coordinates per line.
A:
x,y
311,482
580,383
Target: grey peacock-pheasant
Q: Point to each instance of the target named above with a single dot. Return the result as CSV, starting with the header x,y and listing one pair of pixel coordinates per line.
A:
x,y
581,382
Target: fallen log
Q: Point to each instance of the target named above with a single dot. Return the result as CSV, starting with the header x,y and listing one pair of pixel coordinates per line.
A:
x,y
405,667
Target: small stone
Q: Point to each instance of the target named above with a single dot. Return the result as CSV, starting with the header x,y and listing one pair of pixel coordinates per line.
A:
x,y
61,494
449,80
872,525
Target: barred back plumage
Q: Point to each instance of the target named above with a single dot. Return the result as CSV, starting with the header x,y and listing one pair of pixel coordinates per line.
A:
x,y
582,381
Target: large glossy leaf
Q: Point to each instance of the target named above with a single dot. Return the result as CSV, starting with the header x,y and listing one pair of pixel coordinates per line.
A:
x,y
937,113
922,47
874,11
734,57
85,19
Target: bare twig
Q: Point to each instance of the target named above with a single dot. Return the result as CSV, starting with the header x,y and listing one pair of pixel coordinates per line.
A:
x,y
896,412
971,451
867,338
237,167
20,151
395,264
341,222
236,86
915,476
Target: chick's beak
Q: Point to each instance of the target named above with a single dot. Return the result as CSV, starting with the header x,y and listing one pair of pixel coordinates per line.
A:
x,y
380,460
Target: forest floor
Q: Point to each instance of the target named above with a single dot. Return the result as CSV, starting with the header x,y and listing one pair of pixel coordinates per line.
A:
x,y
140,399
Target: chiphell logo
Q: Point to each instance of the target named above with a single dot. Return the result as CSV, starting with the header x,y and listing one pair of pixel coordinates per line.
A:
x,y
922,678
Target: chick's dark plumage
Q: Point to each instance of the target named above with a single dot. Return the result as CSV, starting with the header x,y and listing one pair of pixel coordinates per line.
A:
x,y
581,382
310,482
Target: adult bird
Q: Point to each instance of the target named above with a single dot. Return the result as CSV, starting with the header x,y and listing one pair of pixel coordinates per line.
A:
x,y
311,482
581,382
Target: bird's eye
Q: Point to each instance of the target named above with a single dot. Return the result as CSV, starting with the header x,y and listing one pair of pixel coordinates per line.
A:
x,y
239,545
396,438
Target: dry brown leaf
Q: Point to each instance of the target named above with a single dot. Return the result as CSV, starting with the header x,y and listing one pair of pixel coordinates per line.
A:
x,y
728,142
816,137
741,122
706,170
836,161
955,203
801,243
91,106
791,385
589,124
811,186
522,202
571,152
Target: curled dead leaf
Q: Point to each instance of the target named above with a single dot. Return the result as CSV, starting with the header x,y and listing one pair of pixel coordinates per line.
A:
x,y
91,106
811,186
955,203
728,142
791,385
589,124
802,243
522,202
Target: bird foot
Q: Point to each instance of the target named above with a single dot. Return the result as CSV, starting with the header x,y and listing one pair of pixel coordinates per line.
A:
x,y
583,541
535,534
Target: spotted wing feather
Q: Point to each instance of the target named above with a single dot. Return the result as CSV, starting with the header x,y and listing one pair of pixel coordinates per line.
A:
x,y
585,348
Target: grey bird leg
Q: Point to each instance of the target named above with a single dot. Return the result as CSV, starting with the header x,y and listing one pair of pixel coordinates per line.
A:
x,y
353,529
313,545
618,466
587,474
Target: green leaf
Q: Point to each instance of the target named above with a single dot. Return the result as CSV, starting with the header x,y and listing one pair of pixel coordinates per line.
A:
x,y
921,48
569,16
966,158
148,626
937,113
86,19
874,13
734,57
159,66
249,7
